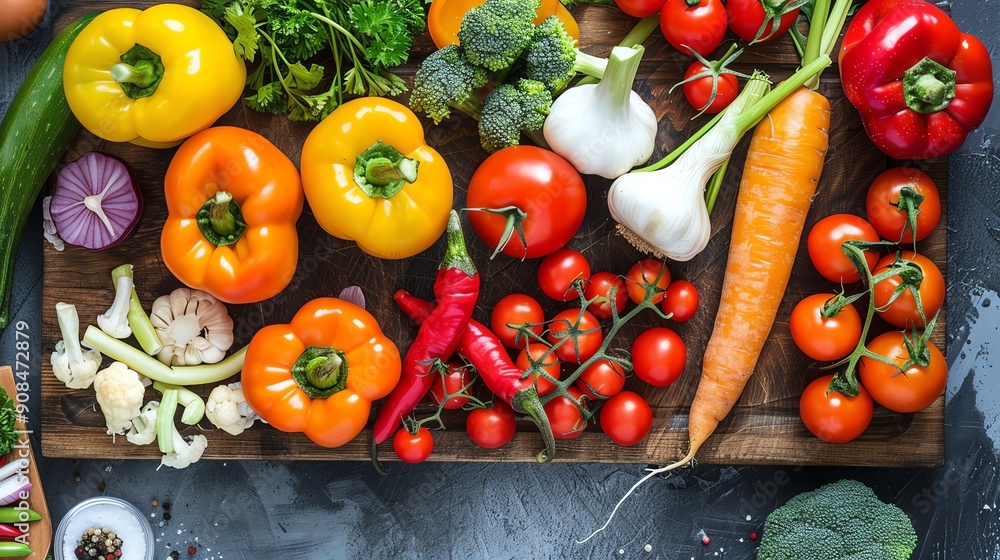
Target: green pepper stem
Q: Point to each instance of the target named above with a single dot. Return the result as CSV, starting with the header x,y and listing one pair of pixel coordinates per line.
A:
x,y
220,219
526,401
320,371
928,86
142,74
382,171
456,255
139,73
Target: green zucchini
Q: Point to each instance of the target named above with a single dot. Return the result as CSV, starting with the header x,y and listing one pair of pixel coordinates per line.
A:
x,y
34,134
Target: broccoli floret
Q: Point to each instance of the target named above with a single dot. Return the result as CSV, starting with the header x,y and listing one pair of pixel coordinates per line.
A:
x,y
509,109
553,59
839,521
444,80
495,33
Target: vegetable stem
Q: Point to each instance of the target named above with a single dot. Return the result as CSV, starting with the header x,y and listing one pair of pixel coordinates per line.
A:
x,y
751,117
221,220
712,192
141,326
156,370
381,171
456,255
637,36
320,371
616,86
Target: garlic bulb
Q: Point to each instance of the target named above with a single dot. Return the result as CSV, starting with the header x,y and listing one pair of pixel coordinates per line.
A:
x,y
193,326
664,211
604,129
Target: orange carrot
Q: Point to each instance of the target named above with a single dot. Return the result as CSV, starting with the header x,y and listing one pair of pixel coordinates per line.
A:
x,y
780,176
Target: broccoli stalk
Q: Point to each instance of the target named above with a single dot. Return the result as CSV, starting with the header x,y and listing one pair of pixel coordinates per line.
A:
x,y
840,520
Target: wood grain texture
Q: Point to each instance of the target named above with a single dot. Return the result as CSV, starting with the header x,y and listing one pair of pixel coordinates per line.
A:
x,y
764,427
40,535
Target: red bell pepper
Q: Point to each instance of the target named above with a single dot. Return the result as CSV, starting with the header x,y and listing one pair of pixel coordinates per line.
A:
x,y
920,84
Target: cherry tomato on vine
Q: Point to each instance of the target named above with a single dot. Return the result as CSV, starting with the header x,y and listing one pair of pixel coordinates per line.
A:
x,y
658,356
911,390
698,24
833,417
588,339
681,300
903,312
492,427
551,366
883,204
640,8
564,416
602,380
558,271
458,377
626,418
647,271
698,92
413,448
543,186
826,339
516,309
825,240
747,17
600,286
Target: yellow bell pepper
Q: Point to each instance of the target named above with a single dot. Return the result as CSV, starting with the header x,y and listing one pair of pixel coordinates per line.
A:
x,y
369,177
151,77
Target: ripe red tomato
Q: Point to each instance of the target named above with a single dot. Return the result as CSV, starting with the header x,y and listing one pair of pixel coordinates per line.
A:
x,y
626,418
700,27
746,17
516,309
825,240
659,356
882,204
644,272
602,380
833,417
588,339
558,271
413,448
911,390
543,185
640,8
458,377
903,311
564,416
681,300
821,338
551,366
698,92
493,427
600,286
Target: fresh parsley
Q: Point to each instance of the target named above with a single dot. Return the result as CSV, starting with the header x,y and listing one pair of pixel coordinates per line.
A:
x,y
358,42
8,423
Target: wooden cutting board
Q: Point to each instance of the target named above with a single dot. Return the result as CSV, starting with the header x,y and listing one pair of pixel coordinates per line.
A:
x,y
764,427
40,535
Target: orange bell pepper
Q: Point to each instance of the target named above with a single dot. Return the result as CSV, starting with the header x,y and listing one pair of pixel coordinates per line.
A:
x,y
445,17
320,374
232,200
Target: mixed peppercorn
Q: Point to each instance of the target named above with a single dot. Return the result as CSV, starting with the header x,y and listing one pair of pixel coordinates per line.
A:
x,y
100,543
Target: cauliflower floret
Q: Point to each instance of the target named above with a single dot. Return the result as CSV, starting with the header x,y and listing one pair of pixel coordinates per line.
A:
x,y
227,408
119,393
143,430
184,453
71,363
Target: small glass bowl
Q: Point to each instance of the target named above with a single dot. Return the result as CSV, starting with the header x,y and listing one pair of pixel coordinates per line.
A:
x,y
101,511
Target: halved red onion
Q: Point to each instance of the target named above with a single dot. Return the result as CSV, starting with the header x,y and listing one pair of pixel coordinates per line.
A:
x,y
96,203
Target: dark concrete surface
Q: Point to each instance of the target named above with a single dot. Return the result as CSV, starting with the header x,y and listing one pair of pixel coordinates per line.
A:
x,y
257,510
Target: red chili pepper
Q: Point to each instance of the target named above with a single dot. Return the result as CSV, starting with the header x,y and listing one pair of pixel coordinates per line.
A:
x,y
487,354
920,84
9,532
456,289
